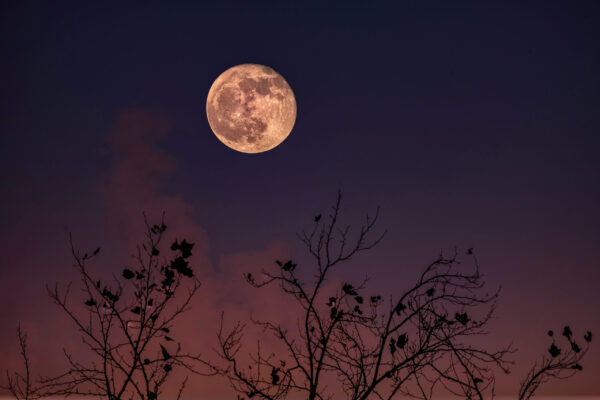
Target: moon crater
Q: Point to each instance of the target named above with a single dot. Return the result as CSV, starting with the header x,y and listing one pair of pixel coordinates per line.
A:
x,y
251,108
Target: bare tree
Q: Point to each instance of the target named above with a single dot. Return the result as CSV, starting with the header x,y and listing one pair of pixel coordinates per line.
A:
x,y
126,324
563,362
419,340
21,385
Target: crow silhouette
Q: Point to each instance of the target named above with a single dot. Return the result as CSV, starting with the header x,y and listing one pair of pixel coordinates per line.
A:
x,y
97,251
392,346
318,218
331,301
167,367
470,251
577,367
430,292
90,302
359,299
554,351
550,333
567,332
575,347
588,336
128,274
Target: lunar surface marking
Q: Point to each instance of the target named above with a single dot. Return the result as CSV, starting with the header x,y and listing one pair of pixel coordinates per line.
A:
x,y
251,108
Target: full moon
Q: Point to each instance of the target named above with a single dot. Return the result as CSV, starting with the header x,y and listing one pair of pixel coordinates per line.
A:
x,y
251,108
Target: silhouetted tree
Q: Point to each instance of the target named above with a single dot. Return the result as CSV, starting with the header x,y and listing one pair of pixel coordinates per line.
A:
x,y
563,362
419,340
21,385
410,345
126,325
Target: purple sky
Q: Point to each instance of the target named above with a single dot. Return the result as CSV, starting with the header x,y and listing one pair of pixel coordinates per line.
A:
x,y
471,125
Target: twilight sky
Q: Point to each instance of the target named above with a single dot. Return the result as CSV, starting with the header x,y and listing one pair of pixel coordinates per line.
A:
x,y
472,125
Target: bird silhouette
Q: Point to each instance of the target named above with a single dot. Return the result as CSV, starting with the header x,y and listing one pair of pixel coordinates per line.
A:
x,y
577,367
470,251
90,302
575,347
430,292
359,299
588,336
550,333
318,218
567,332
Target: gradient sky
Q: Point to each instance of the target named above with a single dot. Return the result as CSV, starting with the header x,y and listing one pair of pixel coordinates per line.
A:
x,y
471,124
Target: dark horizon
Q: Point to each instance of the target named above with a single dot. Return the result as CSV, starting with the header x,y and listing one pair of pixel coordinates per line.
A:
x,y
471,125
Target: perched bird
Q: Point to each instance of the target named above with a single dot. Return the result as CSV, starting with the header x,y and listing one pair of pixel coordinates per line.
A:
x,y
588,336
470,251
430,292
575,347
90,302
550,333
318,218
577,367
